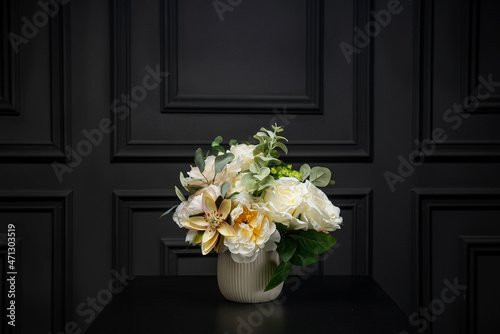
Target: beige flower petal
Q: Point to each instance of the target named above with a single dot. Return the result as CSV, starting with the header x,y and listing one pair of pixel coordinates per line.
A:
x,y
224,208
207,246
226,230
208,204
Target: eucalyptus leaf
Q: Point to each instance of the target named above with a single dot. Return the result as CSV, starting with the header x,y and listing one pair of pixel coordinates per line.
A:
x,y
263,173
217,141
305,170
280,274
320,176
222,160
179,194
225,187
218,149
267,182
233,142
282,146
169,210
286,248
199,161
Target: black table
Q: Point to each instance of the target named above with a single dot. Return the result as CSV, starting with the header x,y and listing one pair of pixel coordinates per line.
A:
x,y
190,304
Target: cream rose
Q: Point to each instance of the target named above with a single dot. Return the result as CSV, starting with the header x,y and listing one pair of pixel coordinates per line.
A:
x,y
255,230
193,204
286,199
319,212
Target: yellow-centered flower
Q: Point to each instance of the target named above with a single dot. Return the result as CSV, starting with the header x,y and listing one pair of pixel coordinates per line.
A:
x,y
212,223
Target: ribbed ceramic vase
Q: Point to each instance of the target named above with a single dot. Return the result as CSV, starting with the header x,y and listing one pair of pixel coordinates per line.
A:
x,y
245,282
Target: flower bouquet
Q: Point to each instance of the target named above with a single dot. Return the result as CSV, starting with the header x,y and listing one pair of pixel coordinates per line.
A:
x,y
246,201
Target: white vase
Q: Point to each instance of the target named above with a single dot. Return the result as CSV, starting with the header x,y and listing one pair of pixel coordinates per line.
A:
x,y
245,282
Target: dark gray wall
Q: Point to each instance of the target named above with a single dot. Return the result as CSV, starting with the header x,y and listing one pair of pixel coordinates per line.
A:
x,y
410,225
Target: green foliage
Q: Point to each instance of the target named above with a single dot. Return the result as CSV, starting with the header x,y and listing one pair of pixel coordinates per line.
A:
x,y
298,247
179,194
169,210
225,187
303,258
199,160
286,248
285,171
222,160
280,274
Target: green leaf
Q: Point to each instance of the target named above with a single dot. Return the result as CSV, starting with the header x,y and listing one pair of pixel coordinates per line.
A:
x,y
233,142
225,187
305,170
198,237
254,168
282,228
169,210
263,173
251,186
222,160
217,141
286,248
267,182
313,241
303,258
282,146
199,161
218,149
261,148
332,182
179,194
320,176
280,274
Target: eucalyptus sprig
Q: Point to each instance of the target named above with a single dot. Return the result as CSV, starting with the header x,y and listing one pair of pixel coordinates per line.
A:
x,y
258,177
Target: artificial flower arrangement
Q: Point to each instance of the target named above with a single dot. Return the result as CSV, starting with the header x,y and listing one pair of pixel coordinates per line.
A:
x,y
246,200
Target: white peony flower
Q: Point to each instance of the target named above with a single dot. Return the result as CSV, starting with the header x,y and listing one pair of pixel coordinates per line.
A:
x,y
193,205
286,199
254,227
243,152
227,175
318,212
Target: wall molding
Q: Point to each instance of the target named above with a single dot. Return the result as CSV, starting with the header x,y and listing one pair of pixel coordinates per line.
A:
x,y
470,50
172,101
463,150
470,248
424,201
173,249
9,61
60,101
126,149
59,203
125,203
